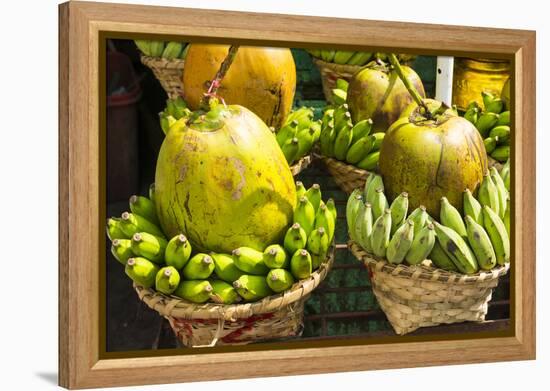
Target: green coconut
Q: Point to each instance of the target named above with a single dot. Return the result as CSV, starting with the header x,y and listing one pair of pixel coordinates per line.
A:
x,y
222,180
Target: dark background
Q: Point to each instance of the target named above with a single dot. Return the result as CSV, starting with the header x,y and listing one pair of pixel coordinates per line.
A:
x,y
342,306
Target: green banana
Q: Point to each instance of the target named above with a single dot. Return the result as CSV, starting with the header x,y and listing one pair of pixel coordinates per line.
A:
x,y
341,117
295,238
339,96
114,229
450,217
305,141
287,132
328,116
325,219
252,288
486,122
378,138
172,50
481,244
328,55
363,228
422,245
225,268
354,203
373,183
490,144
419,217
362,129
457,249
199,267
501,190
472,114
359,150
144,46
487,98
381,231
196,291
166,122
501,153
507,217
300,190
488,193
304,214
316,130
152,192
301,264
317,245
399,208
379,203
303,116
342,84
325,140
141,271
183,53
167,280
343,141
440,258
495,106
131,224
279,280
354,227
502,132
332,207
342,56
473,104
472,207
149,246
178,251
313,195
157,47
314,52
499,236
504,118
122,250
400,243
360,58
250,261
143,206
370,161
275,257
290,149
223,293
505,174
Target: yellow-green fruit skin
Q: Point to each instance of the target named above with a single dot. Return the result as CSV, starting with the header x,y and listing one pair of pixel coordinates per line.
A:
x,y
141,271
375,94
167,280
226,188
223,293
429,162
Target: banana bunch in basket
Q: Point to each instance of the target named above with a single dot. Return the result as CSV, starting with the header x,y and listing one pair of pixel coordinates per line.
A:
x,y
493,123
345,141
171,266
169,50
465,244
351,57
298,134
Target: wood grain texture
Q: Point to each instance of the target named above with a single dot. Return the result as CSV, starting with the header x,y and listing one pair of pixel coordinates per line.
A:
x,y
81,231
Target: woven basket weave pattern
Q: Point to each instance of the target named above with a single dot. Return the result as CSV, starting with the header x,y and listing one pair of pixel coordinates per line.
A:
x,y
330,72
168,72
346,176
210,324
422,296
301,165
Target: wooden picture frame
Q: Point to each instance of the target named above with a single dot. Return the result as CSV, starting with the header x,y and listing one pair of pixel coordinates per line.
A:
x,y
82,164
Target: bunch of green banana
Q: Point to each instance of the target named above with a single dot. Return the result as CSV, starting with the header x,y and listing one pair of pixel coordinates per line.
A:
x,y
345,141
172,267
493,123
351,57
169,50
298,134
176,111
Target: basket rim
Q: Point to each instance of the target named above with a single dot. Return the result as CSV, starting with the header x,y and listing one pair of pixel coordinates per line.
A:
x,y
423,272
173,306
161,62
302,163
342,165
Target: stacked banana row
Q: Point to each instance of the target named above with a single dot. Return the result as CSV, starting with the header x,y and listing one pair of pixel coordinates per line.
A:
x,y
480,240
345,141
169,50
493,123
298,134
172,268
175,110
351,57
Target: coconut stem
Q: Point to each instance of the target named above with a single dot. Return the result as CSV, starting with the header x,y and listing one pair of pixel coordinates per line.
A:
x,y
217,81
415,95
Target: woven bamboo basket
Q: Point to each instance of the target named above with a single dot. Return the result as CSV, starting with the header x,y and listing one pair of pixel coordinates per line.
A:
x,y
303,163
168,72
209,324
330,72
423,296
346,176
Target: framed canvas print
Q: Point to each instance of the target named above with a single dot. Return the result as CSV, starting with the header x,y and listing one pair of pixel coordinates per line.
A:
x,y
358,194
